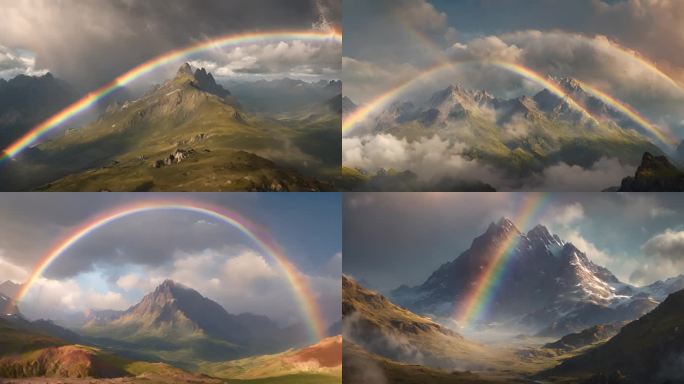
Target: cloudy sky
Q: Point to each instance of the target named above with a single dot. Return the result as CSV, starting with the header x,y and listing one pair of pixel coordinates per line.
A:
x,y
88,43
115,266
401,238
631,49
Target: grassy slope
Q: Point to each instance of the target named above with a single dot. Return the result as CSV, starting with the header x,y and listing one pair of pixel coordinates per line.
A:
x,y
548,142
119,150
324,358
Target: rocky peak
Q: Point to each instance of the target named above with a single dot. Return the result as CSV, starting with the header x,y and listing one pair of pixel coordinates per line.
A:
x,y
185,69
569,84
542,234
504,225
655,174
206,82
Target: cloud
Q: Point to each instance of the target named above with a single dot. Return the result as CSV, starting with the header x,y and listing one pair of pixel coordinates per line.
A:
x,y
50,298
566,215
667,245
10,271
604,173
432,159
241,280
96,42
13,63
284,59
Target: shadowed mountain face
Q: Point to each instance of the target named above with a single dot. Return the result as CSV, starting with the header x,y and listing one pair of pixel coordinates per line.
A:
x,y
381,327
179,319
25,101
655,174
188,133
549,286
648,350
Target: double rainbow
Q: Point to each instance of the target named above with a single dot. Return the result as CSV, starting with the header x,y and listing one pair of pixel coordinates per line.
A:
x,y
484,289
299,283
35,134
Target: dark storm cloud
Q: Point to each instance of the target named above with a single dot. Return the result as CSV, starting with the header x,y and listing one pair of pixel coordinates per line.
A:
x,y
31,223
91,42
400,238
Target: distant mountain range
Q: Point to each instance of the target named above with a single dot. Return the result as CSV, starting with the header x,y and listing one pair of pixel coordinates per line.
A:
x,y
187,134
520,136
648,350
549,286
25,101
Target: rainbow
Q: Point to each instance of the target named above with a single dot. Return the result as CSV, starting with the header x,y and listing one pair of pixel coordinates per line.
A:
x,y
662,135
35,134
485,287
298,282
353,120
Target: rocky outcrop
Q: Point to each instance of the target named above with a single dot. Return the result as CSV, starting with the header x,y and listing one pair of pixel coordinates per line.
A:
x,y
655,174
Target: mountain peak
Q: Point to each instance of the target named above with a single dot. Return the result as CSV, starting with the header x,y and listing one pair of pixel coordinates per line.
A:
x,y
569,84
504,224
185,69
206,82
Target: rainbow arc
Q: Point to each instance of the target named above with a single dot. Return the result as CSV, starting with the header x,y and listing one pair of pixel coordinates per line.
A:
x,y
39,131
299,282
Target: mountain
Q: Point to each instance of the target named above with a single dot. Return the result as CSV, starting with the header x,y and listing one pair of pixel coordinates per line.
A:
x,y
25,101
380,327
520,136
654,174
322,360
178,323
28,353
280,96
187,134
586,337
8,308
348,106
549,286
647,350
10,288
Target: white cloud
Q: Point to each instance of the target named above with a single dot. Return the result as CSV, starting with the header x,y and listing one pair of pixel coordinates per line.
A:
x,y
293,59
52,298
604,173
667,245
569,214
430,158
13,63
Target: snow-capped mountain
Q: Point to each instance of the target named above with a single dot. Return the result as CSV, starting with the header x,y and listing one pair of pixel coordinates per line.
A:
x,y
547,285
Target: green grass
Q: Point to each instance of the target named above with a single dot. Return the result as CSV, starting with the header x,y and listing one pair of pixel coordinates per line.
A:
x,y
302,378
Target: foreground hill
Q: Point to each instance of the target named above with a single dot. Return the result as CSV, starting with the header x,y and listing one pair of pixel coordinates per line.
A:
x,y
381,327
36,356
648,350
187,134
323,360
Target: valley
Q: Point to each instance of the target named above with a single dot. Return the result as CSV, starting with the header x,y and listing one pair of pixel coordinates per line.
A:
x,y
174,335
